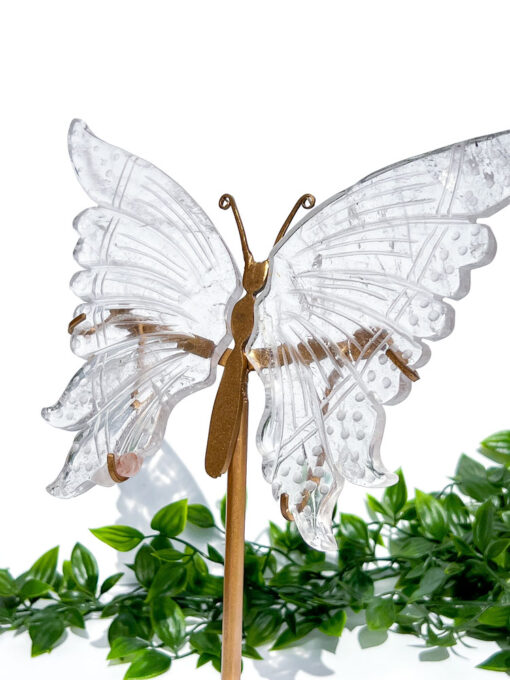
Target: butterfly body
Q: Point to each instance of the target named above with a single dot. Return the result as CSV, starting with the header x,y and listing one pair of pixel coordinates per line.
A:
x,y
231,395
335,323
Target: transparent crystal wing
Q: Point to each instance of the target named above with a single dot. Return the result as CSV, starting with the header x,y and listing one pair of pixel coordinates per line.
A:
x,y
355,289
157,281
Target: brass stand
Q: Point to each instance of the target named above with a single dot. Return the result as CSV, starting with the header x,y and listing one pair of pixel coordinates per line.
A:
x,y
234,556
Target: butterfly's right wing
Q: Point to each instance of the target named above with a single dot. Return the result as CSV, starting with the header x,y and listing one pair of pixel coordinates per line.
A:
x,y
158,284
354,290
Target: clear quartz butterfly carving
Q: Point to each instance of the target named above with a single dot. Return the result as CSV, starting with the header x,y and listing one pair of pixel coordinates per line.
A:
x,y
335,322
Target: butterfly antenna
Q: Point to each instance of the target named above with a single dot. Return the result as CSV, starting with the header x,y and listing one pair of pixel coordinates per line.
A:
x,y
228,201
306,201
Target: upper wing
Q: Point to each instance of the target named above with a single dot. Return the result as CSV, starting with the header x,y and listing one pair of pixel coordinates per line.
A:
x,y
354,290
157,281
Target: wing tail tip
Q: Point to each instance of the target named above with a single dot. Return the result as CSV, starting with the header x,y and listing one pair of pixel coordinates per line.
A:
x,y
52,415
321,537
63,489
78,125
78,135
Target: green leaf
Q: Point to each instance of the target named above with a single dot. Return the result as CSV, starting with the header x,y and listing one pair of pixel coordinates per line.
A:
x,y
223,509
497,447
457,513
276,535
251,653
395,496
432,579
496,616
472,479
123,625
45,568
353,528
84,568
203,659
412,613
200,516
497,662
263,627
287,576
431,515
483,525
7,584
206,643
200,565
171,520
120,537
495,548
411,547
126,646
170,580
45,633
73,617
146,566
214,555
33,588
290,637
109,582
148,664
360,584
169,555
68,576
160,542
334,625
462,547
380,613
417,571
168,621
377,507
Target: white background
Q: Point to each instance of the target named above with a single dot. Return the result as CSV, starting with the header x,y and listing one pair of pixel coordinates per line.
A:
x,y
265,100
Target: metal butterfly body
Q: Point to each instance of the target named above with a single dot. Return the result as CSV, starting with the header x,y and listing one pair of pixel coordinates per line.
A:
x,y
334,322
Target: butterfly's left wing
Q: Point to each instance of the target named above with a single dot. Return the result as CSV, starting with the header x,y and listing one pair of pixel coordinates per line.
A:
x,y
158,284
354,290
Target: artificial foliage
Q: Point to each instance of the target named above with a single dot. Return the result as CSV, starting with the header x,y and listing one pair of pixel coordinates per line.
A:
x,y
435,566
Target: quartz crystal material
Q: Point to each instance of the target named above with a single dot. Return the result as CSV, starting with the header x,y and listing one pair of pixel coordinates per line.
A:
x,y
156,274
355,291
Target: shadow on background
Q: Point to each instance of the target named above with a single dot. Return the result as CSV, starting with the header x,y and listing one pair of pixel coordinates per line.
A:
x,y
287,663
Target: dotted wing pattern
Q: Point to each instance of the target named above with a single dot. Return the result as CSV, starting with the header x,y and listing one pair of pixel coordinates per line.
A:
x,y
155,271
355,290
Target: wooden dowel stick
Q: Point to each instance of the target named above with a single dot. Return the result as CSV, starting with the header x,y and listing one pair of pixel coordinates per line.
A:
x,y
234,557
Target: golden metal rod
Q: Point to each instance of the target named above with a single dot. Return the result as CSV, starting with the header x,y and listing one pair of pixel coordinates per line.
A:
x,y
305,201
76,322
234,556
228,201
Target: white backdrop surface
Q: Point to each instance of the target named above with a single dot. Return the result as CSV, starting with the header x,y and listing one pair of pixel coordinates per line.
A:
x,y
265,100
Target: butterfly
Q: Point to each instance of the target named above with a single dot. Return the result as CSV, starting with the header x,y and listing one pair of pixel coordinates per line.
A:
x,y
335,322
